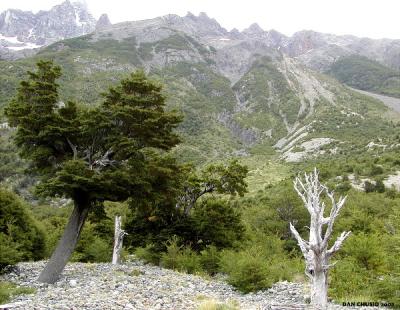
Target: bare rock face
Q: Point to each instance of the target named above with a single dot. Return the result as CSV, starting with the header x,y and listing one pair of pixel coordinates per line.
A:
x,y
21,30
320,50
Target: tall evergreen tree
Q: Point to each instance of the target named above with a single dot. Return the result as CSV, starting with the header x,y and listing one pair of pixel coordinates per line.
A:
x,y
92,154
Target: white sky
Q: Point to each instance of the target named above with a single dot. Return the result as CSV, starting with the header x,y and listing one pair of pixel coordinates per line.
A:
x,y
365,18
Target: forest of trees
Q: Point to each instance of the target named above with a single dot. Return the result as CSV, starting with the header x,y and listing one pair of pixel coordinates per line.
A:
x,y
116,159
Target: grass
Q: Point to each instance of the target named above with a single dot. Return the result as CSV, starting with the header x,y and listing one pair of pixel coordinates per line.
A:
x,y
9,290
215,305
136,273
264,172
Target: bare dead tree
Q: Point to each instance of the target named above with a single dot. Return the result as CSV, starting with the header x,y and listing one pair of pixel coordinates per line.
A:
x,y
118,240
316,251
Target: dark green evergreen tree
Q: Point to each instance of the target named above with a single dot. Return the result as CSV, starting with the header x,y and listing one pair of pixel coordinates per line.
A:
x,y
92,154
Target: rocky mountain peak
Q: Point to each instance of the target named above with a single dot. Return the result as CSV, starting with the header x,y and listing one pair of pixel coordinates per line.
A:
x,y
203,15
254,29
103,22
303,41
21,30
203,25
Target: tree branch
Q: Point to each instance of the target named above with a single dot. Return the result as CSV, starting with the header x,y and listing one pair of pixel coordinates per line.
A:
x,y
304,245
73,148
332,217
338,243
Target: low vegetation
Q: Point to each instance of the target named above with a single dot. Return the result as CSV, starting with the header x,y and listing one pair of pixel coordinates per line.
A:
x,y
8,290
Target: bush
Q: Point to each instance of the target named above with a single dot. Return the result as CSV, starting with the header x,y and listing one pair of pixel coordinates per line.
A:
x,y
209,259
91,247
252,269
9,290
9,251
217,223
180,258
367,251
349,280
388,289
148,254
369,187
21,237
213,222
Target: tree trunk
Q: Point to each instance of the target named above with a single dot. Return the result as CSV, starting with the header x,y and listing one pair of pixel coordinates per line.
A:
x,y
118,240
319,288
67,243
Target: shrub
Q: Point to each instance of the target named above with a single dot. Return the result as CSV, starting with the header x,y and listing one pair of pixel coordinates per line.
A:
x,y
367,251
91,247
379,186
388,289
349,280
171,257
148,254
9,290
9,251
180,258
369,187
212,222
21,237
209,259
217,223
253,268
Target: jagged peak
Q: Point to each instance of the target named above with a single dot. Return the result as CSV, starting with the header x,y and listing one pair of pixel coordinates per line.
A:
x,y
190,15
276,33
254,28
171,17
103,22
204,15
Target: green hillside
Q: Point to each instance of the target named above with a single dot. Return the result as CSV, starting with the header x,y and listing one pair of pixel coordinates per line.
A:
x,y
266,107
365,74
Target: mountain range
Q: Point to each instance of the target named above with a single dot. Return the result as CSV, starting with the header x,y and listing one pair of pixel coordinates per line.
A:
x,y
243,93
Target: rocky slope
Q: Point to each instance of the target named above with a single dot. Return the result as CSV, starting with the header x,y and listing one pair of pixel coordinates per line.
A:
x,y
137,286
21,31
320,50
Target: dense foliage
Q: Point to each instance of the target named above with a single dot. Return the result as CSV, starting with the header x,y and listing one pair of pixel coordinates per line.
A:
x,y
21,236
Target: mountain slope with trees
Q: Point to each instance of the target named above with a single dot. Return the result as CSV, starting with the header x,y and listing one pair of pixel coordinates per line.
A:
x,y
365,74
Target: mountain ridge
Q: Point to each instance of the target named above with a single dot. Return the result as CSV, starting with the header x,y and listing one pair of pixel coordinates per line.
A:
x,y
240,92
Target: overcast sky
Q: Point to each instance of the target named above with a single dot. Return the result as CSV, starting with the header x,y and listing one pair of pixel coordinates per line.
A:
x,y
368,18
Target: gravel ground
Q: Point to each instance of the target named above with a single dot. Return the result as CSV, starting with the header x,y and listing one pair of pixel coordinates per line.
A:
x,y
135,285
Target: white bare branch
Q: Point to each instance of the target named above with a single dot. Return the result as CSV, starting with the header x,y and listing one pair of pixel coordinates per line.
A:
x,y
332,217
338,243
304,246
